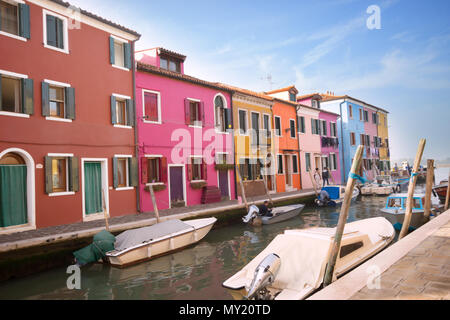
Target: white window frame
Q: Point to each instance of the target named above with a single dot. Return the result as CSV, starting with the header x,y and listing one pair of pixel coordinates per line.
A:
x,y
154,156
246,133
121,97
66,156
65,32
122,41
128,156
60,85
335,129
16,76
195,125
225,107
159,106
14,36
290,132
275,126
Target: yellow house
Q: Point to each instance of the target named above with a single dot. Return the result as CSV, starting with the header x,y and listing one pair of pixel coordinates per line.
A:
x,y
383,134
253,143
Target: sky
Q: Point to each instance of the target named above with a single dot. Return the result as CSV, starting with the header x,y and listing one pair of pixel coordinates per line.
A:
x,y
318,45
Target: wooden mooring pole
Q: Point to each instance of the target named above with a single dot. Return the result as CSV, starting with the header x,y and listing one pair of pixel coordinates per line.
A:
x,y
155,206
343,217
105,212
411,187
267,189
242,188
429,189
447,197
313,182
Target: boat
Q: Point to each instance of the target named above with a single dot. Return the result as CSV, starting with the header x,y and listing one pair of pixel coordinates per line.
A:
x,y
335,194
142,244
278,214
441,190
292,266
382,185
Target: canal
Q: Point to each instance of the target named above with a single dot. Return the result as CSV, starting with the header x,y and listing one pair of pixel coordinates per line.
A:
x,y
194,273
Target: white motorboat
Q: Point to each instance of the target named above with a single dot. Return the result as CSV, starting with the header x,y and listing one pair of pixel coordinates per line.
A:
x,y
292,266
278,214
382,186
137,245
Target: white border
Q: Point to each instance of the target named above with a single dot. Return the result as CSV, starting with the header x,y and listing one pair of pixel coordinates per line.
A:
x,y
183,169
57,83
58,119
105,188
159,106
225,107
66,31
275,126
31,193
13,74
14,114
290,132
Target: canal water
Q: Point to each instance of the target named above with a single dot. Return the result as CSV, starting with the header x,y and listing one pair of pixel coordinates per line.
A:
x,y
194,273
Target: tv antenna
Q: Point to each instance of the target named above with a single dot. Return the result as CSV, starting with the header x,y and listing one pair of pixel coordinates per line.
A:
x,y
268,78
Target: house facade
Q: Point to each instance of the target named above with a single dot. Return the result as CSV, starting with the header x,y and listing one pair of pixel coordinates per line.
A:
x,y
66,116
330,145
383,134
371,142
184,133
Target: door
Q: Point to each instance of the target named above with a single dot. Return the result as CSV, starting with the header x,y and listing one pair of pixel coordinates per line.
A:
x,y
176,186
288,166
223,183
93,197
13,191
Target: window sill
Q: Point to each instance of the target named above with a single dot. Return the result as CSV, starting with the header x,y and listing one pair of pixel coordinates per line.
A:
x,y
195,181
56,49
13,36
155,184
124,188
120,68
196,127
14,114
122,126
57,194
221,132
58,119
94,216
152,122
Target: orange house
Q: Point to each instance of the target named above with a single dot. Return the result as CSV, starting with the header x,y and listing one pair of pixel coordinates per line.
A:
x,y
286,145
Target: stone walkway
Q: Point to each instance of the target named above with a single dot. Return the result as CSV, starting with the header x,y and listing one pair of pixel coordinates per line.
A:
x,y
83,229
424,273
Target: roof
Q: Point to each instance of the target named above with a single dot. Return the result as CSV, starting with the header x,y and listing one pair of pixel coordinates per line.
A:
x,y
281,90
246,91
171,53
310,95
327,97
179,76
93,16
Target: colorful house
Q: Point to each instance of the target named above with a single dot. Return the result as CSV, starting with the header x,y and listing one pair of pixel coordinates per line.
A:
x,y
330,145
66,116
383,141
286,137
370,142
254,146
184,132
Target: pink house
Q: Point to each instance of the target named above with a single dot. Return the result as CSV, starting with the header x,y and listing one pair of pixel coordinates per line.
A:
x,y
330,145
185,148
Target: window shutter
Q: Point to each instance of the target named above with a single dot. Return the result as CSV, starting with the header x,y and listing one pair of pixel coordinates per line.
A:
x,y
189,169
202,113
51,30
130,112
187,112
113,110
70,103
163,169
127,55
144,170
27,96
228,119
73,174
45,100
112,58
48,175
59,33
134,172
313,124
24,20
115,173
204,170
0,84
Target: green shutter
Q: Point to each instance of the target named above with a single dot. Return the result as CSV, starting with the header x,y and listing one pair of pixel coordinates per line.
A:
x,y
27,96
48,175
59,33
51,30
115,172
13,195
130,112
70,103
127,55
24,20
45,99
74,184
113,110
112,58
134,172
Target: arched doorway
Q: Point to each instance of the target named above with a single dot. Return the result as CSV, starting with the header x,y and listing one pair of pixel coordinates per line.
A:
x,y
17,199
13,190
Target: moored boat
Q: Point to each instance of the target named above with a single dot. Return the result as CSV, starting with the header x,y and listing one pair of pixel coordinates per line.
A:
x,y
292,266
278,214
335,196
441,190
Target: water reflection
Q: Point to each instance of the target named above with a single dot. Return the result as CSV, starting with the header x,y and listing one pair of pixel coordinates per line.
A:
x,y
194,273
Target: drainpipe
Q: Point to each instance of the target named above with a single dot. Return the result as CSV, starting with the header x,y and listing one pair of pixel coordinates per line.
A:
x,y
299,153
136,142
342,142
233,149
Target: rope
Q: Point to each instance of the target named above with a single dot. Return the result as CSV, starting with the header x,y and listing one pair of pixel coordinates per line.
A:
x,y
357,177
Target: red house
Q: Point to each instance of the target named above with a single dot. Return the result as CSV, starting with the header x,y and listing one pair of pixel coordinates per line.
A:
x,y
67,132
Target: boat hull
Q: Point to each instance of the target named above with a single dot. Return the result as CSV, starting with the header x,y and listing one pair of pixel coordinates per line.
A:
x,y
283,216
158,248
398,217
441,192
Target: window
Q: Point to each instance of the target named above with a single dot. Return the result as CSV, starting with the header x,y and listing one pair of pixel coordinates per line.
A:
x,y
325,162
352,138
361,118
10,95
301,124
255,129
125,172
9,18
278,126
294,164
266,124
315,104
243,122
366,116
395,202
374,118
220,114
221,158
119,53
194,108
324,127
59,174
333,161
246,169
154,167
280,164
349,248
57,102
154,170
121,112
333,131
55,32
197,170
350,111
170,64
387,142
308,161
152,106
292,97
315,126
292,126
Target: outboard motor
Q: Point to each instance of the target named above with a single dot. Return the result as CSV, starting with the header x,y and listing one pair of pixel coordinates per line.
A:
x,y
323,199
252,213
265,275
